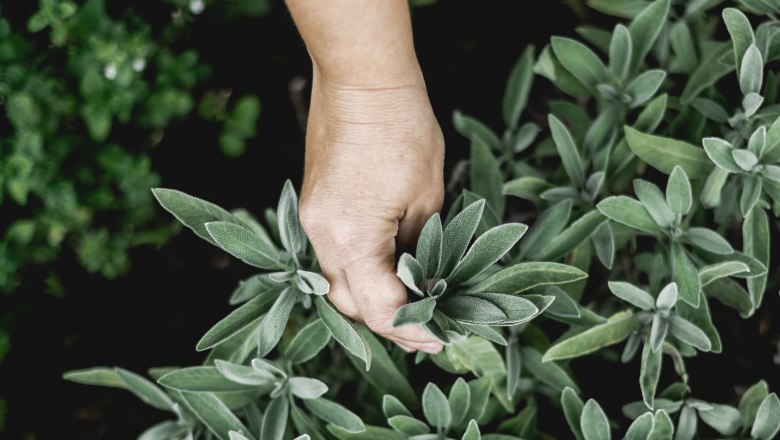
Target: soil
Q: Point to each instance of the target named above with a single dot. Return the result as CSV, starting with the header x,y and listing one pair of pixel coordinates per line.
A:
x,y
154,315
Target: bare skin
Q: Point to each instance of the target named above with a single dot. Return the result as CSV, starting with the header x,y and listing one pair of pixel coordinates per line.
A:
x,y
374,156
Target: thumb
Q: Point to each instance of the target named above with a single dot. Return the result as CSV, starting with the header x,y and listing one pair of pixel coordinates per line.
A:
x,y
378,293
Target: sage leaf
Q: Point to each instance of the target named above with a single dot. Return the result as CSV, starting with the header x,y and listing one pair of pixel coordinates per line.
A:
x,y
148,392
689,333
384,374
751,192
244,245
572,410
722,418
604,244
193,212
640,428
417,312
310,282
290,232
632,295
485,177
517,88
244,374
645,86
654,202
686,425
750,402
745,159
663,429
486,250
410,272
579,60
549,372
620,49
272,324
436,407
307,388
371,433
525,276
391,406
98,376
708,239
667,298
741,33
308,342
275,419
343,331
593,422
664,154
472,431
474,129
214,414
475,310
658,331
429,246
457,235
408,425
567,150
678,192
200,379
546,227
629,212
649,373
751,72
458,399
756,242
645,28
571,237
685,275
236,321
616,329
767,423
335,413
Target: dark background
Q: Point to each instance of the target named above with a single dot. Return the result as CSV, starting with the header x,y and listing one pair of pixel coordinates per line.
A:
x,y
154,316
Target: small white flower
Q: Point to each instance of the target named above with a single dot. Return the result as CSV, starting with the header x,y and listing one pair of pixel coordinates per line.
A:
x,y
139,64
197,6
110,71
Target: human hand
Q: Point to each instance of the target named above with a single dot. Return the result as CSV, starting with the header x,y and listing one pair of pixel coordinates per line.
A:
x,y
373,177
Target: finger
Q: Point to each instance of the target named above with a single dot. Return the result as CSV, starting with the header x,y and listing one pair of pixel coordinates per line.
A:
x,y
414,219
378,294
341,298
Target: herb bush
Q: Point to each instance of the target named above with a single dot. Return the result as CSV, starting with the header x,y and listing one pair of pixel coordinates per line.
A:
x,y
670,99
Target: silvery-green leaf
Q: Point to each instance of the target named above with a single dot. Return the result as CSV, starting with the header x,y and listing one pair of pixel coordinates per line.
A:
x,y
309,341
594,183
417,312
514,366
678,192
579,60
767,423
645,28
563,306
251,288
560,194
750,402
384,375
290,232
756,242
486,180
310,282
164,431
546,227
571,237
524,276
486,250
720,152
200,379
457,236
682,42
572,410
275,419
710,109
429,246
410,272
523,139
391,406
631,348
343,331
479,390
708,72
527,188
741,33
244,245
303,437
472,431
474,129
686,425
757,141
436,407
751,103
486,332
650,372
517,88
745,159
663,429
685,275
629,212
474,310
567,150
711,193
214,414
772,172
713,272
408,425
640,428
654,202
267,366
193,212
620,51
645,86
98,376
701,318
604,244
549,372
689,333
371,433
708,239
751,192
652,115
335,413
632,294
148,392
458,399
616,329
307,388
664,153
751,72
272,324
593,422
722,418
658,330
438,288
244,374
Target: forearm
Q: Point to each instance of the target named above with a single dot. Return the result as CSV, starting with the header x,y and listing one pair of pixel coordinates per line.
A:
x,y
358,43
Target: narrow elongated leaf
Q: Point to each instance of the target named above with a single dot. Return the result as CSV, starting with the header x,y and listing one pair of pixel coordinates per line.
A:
x,y
214,414
485,176
429,246
572,410
658,330
148,392
649,373
550,372
457,235
645,86
343,331
756,242
200,379
689,333
767,423
604,244
664,154
629,212
335,413
97,376
244,245
686,425
371,433
741,33
685,275
708,239
573,236
436,407
486,250
275,419
594,423
645,28
751,192
709,71
750,402
290,232
411,273
654,202
391,406
678,192
527,188
701,318
272,324
546,227
193,212
713,272
616,329
722,418
632,294
309,341
620,49
517,88
475,130
524,276
244,374
579,60
417,312
567,150
236,321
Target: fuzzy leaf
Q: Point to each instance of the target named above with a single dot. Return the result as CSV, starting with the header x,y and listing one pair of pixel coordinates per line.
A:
x,y
343,331
417,312
436,407
689,333
767,423
645,29
685,275
308,342
616,329
579,60
429,246
457,235
633,295
214,414
485,176
524,276
567,150
629,212
594,423
649,373
244,245
664,154
654,202
517,88
645,86
335,413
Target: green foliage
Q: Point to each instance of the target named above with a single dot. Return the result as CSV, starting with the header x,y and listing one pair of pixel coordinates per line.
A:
x,y
280,362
